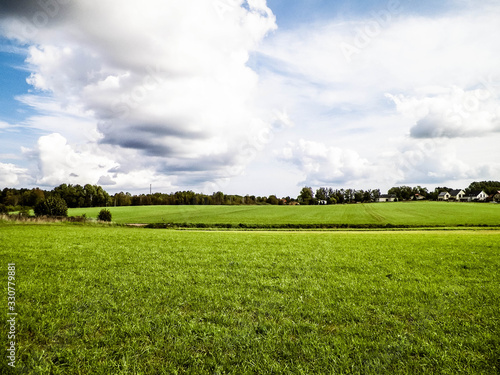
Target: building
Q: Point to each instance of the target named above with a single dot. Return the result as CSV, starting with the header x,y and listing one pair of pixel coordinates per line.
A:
x,y
387,198
475,196
443,196
457,195
494,197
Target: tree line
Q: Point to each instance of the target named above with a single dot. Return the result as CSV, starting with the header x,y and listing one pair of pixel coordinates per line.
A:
x,y
95,196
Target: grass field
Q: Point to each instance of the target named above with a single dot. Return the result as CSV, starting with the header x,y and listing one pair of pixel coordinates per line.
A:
x,y
404,213
116,300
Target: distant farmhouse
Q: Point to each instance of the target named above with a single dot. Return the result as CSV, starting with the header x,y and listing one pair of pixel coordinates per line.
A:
x,y
387,198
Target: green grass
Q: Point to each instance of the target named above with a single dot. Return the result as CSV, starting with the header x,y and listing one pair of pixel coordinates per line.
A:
x,y
114,300
405,213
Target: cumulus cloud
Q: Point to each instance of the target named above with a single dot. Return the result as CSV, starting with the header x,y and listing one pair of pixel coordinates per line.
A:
x,y
452,112
432,161
59,162
414,78
324,164
12,175
167,79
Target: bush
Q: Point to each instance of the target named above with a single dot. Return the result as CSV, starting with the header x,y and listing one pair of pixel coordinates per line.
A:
x,y
25,211
3,209
104,215
52,206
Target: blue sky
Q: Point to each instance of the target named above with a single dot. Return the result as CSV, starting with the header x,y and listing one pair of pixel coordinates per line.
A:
x,y
254,98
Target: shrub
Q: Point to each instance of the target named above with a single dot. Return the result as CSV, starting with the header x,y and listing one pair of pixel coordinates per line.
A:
x,y
104,215
25,211
52,206
3,209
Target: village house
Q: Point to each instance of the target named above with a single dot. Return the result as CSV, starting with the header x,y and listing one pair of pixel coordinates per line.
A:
x,y
475,196
387,198
443,196
457,195
494,197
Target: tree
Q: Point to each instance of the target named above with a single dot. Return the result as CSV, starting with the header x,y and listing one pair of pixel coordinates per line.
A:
x,y
359,195
402,192
322,194
489,187
89,194
52,206
272,199
104,215
306,195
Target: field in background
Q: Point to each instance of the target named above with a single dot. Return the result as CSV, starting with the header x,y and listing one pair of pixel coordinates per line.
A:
x,y
401,213
109,300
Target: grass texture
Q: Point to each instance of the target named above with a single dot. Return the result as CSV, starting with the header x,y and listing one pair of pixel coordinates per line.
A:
x,y
116,300
400,213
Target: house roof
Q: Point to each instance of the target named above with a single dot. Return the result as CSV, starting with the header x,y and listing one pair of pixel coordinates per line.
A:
x,y
475,193
443,193
387,196
455,192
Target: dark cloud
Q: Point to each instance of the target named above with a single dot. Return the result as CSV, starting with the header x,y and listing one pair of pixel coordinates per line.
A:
x,y
38,13
167,130
106,181
433,126
446,125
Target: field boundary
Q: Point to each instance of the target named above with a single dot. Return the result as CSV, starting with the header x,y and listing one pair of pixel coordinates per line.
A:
x,y
243,226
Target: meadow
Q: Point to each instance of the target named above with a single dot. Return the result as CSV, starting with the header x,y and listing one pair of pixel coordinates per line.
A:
x,y
401,213
119,300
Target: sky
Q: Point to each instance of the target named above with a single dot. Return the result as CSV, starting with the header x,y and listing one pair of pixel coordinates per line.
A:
x,y
249,97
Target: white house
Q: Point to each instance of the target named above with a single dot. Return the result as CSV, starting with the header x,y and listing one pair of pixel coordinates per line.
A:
x,y
476,195
457,194
386,198
443,196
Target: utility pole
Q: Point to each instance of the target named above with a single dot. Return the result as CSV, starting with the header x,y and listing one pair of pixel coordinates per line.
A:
x,y
150,191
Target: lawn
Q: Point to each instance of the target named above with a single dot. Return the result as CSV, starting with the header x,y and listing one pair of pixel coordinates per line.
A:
x,y
116,300
403,213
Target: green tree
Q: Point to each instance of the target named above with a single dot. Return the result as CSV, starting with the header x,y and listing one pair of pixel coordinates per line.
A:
x,y
489,187
272,199
104,215
306,195
52,206
322,194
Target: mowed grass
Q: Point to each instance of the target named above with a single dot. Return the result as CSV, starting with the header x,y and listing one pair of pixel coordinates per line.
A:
x,y
401,213
116,300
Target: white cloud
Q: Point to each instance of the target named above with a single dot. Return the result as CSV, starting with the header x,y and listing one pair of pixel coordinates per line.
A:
x,y
61,163
417,78
12,175
4,125
325,165
452,113
167,79
434,160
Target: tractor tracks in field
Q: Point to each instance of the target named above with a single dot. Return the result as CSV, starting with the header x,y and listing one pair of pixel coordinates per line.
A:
x,y
370,211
